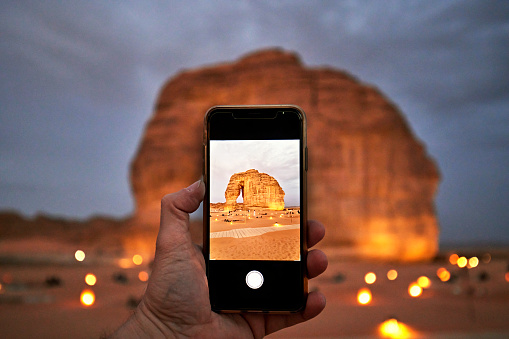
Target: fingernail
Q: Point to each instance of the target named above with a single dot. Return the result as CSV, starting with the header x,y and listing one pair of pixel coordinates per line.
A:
x,y
194,186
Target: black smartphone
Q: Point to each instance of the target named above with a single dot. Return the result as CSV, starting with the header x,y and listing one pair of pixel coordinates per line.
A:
x,y
255,164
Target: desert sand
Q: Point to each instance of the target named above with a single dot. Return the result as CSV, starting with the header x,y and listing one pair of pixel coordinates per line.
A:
x,y
275,245
473,305
262,234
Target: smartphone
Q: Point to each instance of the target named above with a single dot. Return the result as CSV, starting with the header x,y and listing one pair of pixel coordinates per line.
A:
x,y
255,211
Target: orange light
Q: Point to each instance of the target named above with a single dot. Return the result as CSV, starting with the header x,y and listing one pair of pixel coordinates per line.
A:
x,y
90,279
143,276
364,296
391,328
87,298
453,259
507,276
414,290
443,274
79,255
424,282
370,278
137,259
124,263
392,274
462,262
473,262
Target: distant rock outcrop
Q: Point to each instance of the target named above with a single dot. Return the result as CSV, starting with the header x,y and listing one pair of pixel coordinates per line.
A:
x,y
369,181
257,189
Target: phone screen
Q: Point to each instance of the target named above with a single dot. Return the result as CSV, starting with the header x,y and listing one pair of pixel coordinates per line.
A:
x,y
254,208
255,200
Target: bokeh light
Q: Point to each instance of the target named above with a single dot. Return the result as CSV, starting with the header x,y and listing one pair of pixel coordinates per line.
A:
x,y
443,274
453,259
486,258
124,263
424,282
79,255
90,279
370,278
507,276
391,328
87,298
473,262
143,276
364,296
414,290
462,262
392,274
137,259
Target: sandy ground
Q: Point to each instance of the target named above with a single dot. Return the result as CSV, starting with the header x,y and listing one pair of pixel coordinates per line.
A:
x,y
242,220
468,307
277,245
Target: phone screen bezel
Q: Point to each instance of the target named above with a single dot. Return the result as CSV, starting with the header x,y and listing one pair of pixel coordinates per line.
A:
x,y
228,292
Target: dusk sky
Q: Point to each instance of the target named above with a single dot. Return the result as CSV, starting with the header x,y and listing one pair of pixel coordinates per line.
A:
x,y
79,80
277,158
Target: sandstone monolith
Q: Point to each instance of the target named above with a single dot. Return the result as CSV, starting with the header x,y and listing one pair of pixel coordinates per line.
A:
x,y
257,190
370,181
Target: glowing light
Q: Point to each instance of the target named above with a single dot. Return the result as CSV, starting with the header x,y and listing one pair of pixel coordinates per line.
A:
x,y
270,218
473,262
90,279
392,274
370,278
137,259
143,276
1,290
216,219
87,298
391,328
124,263
79,255
414,290
443,274
453,259
462,262
507,276
364,296
424,282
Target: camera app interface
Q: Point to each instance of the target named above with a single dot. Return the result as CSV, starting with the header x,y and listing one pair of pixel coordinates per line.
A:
x,y
254,200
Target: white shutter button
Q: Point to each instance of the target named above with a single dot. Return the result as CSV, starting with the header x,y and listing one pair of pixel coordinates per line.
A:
x,y
254,279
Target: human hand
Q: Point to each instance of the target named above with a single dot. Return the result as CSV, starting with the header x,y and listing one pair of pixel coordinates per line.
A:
x,y
176,302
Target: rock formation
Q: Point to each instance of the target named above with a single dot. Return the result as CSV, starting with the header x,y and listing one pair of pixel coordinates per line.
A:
x,y
257,189
369,181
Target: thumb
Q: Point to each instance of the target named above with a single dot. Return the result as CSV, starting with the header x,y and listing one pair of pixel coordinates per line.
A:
x,y
175,209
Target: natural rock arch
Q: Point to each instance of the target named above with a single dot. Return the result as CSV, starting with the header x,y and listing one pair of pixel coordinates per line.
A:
x,y
257,189
370,180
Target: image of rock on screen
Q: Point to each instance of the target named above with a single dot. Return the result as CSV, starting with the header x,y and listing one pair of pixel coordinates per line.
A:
x,y
254,200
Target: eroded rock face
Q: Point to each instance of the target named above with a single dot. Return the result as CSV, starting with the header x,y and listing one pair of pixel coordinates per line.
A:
x,y
369,181
257,189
